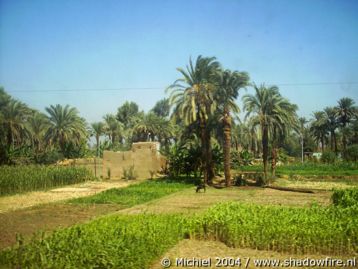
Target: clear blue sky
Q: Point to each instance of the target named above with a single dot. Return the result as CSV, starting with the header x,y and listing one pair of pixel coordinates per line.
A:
x,y
63,45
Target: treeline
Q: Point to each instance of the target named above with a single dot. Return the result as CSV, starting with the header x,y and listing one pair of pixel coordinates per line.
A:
x,y
197,125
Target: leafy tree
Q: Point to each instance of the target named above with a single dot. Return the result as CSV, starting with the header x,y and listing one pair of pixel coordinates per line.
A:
x,y
332,125
193,99
126,112
162,108
113,128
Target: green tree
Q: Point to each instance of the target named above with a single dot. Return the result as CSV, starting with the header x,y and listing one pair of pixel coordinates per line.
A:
x,y
319,128
332,125
66,127
264,106
193,99
98,129
126,112
345,111
113,128
162,108
226,94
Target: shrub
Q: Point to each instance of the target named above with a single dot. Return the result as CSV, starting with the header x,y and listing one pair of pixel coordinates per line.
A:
x,y
351,153
328,157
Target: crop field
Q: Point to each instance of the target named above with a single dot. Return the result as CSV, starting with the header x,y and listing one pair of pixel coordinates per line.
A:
x,y
20,179
136,240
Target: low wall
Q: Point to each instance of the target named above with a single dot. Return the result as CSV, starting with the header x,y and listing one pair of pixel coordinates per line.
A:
x,y
144,158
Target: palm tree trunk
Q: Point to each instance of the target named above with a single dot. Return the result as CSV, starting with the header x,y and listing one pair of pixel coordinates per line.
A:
x,y
227,147
265,150
335,143
203,151
332,134
209,157
322,143
273,161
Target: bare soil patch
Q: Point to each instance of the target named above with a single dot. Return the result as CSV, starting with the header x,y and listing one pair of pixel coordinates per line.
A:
x,y
20,201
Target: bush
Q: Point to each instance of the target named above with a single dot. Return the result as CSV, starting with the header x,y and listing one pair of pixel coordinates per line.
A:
x,y
351,153
328,157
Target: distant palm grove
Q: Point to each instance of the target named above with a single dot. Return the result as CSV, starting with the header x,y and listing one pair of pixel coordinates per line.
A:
x,y
197,126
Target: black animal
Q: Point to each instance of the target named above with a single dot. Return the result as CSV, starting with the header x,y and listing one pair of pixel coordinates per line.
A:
x,y
200,186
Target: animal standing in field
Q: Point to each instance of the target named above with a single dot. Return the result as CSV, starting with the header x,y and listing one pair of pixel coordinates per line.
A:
x,y
201,186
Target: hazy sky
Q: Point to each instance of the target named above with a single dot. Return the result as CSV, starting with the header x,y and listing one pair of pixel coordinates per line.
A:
x,y
58,45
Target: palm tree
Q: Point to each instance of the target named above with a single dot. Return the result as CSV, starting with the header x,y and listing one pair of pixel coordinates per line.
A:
x,y
14,115
65,126
284,120
345,113
319,128
226,94
113,128
98,129
332,125
37,126
264,105
193,99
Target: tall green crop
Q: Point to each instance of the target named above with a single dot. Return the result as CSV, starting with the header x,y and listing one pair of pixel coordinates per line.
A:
x,y
19,179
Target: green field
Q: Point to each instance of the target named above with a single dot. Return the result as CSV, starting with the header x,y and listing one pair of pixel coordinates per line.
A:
x,y
20,179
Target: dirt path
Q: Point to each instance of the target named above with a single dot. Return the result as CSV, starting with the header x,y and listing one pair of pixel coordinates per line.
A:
x,y
20,201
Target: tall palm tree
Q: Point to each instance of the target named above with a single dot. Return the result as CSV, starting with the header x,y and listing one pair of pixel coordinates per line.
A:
x,y
319,128
193,99
98,129
284,120
345,112
227,91
332,125
113,127
37,126
14,115
65,126
264,106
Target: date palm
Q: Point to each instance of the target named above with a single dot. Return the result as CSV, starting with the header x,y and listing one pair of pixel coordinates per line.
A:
x,y
65,126
98,129
229,84
193,99
332,125
37,127
345,112
319,128
263,106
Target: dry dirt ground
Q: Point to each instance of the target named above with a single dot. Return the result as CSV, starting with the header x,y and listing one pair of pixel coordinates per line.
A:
x,y
20,201
212,249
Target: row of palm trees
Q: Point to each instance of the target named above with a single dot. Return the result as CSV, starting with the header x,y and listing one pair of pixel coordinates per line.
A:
x,y
342,117
208,93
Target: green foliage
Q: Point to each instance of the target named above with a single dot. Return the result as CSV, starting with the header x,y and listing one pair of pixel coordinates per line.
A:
x,y
109,242
351,153
328,157
294,230
19,179
134,194
345,198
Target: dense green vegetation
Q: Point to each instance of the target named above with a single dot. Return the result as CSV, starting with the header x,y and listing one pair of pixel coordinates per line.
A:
x,y
346,198
134,194
19,179
294,230
108,242
135,241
